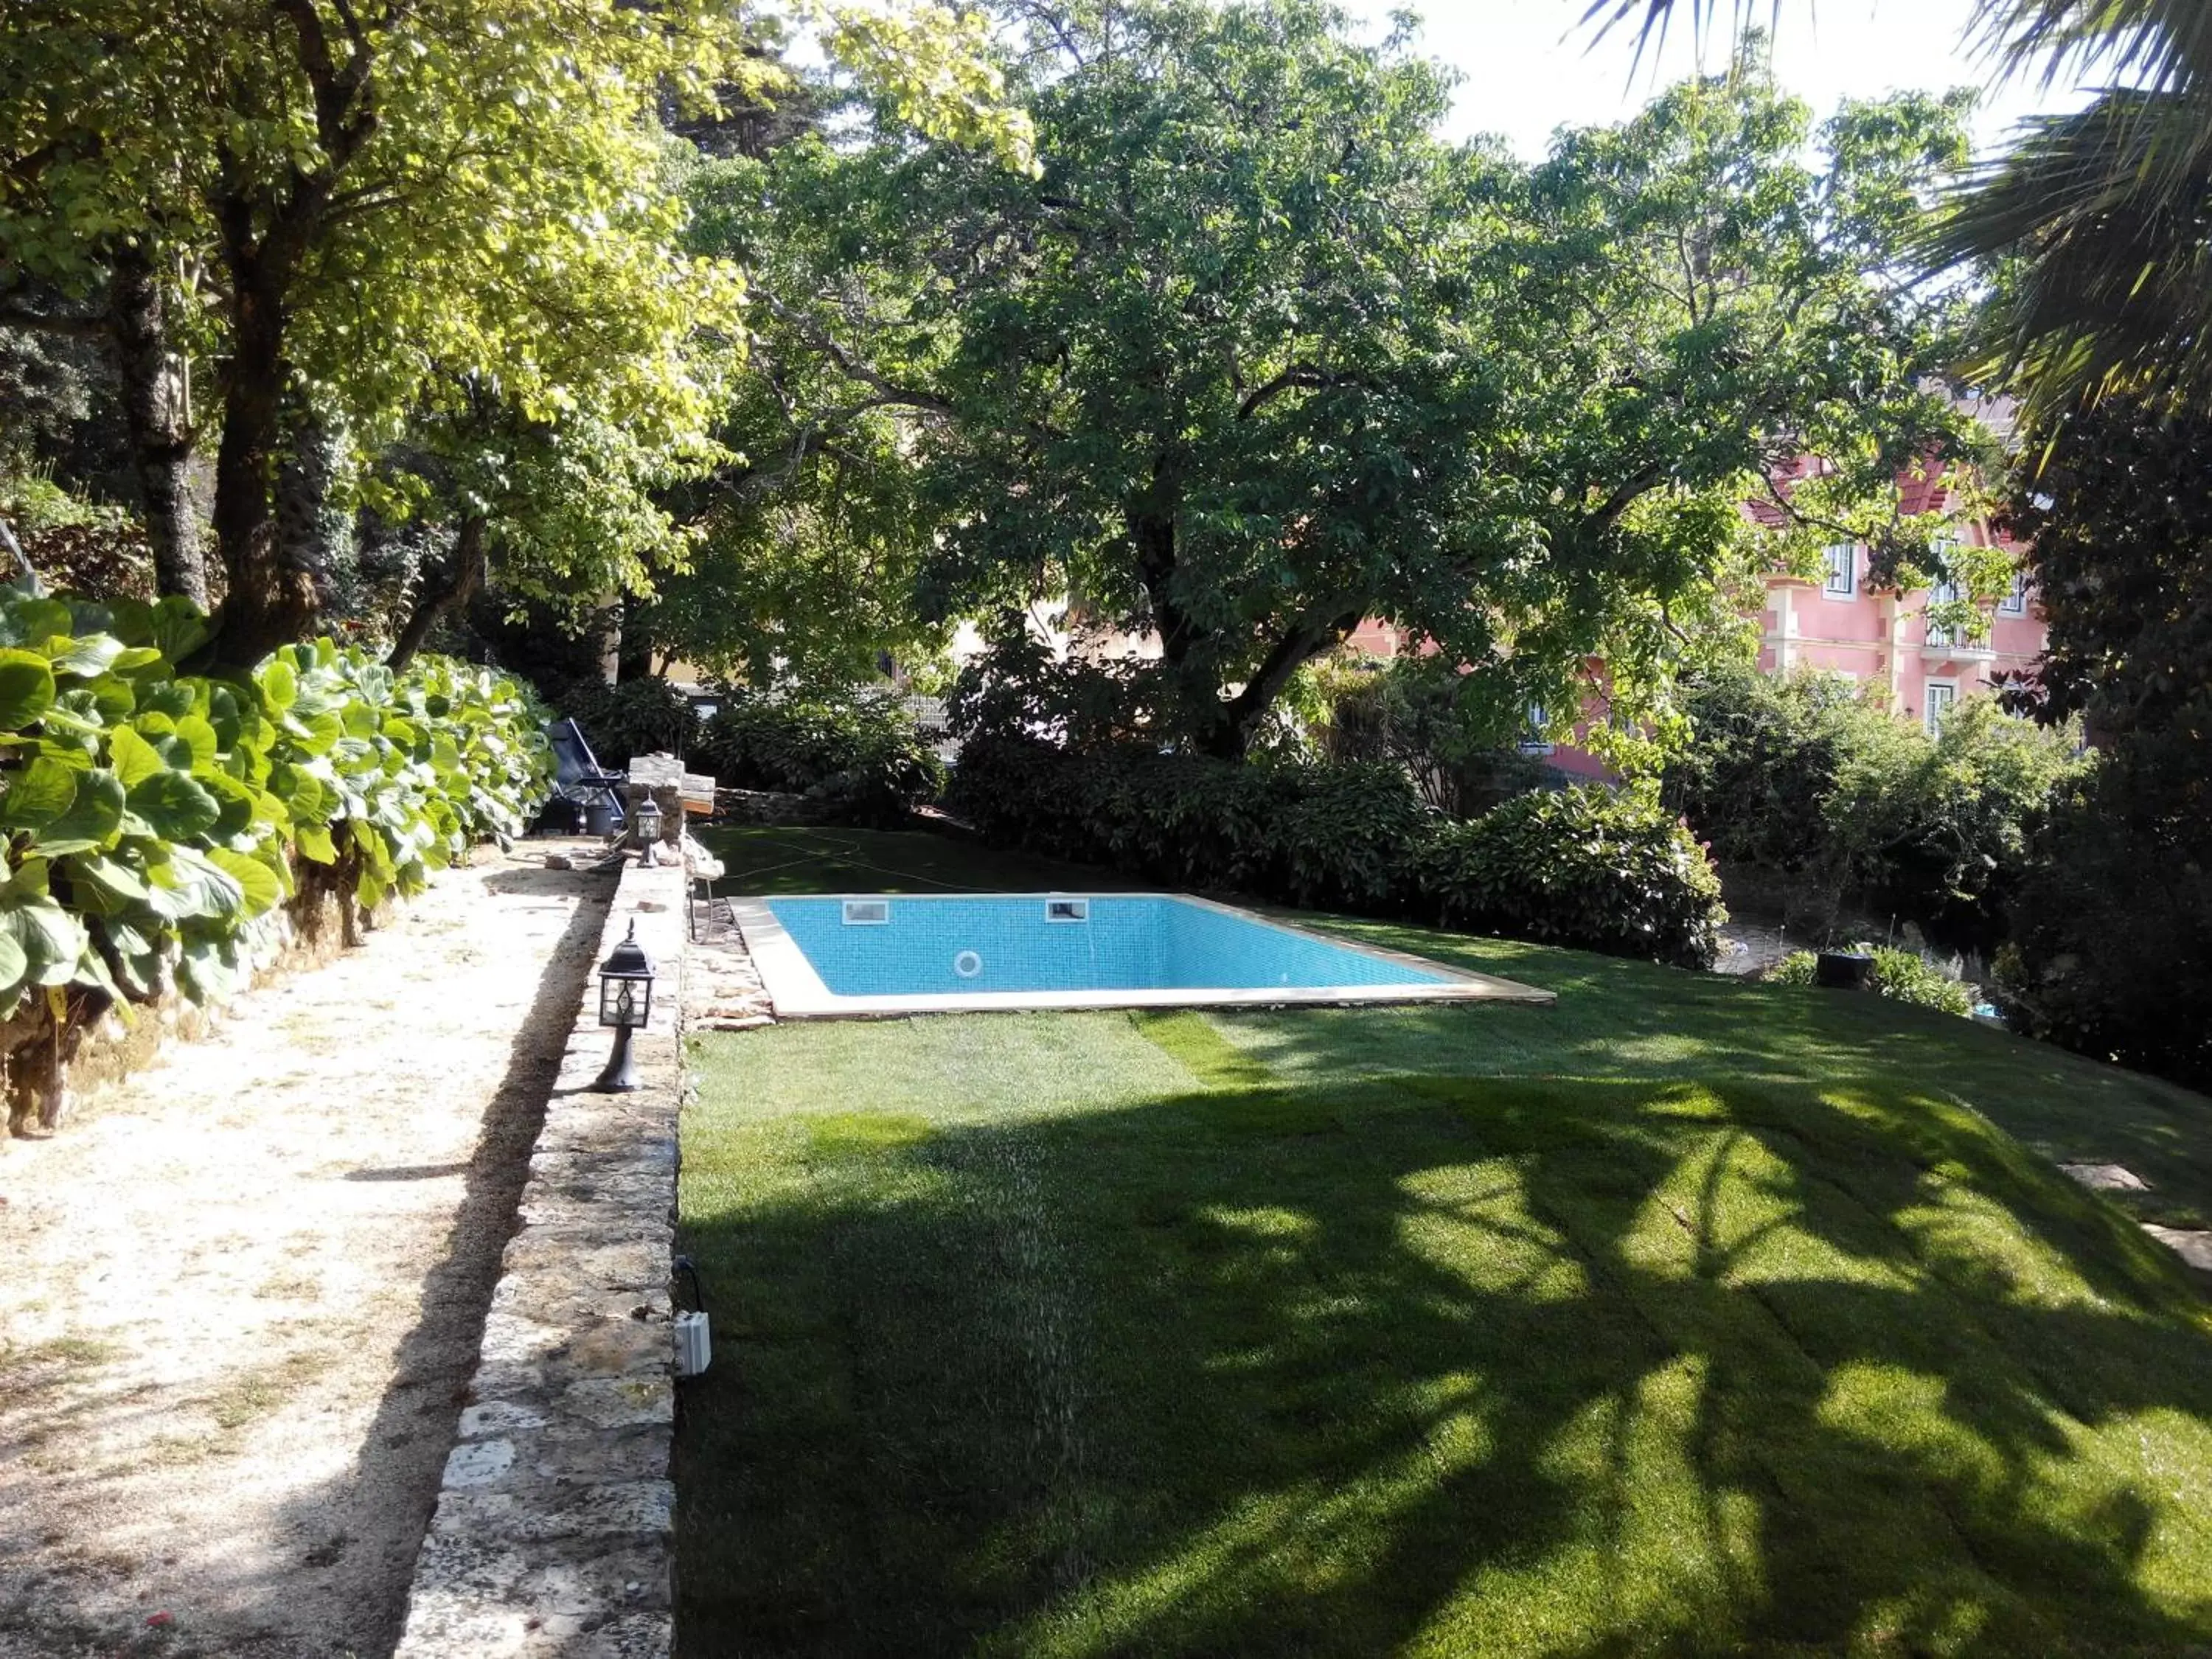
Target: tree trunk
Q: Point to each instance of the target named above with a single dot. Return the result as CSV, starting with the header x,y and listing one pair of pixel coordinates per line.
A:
x,y
453,588
270,601
610,638
159,422
1229,737
310,530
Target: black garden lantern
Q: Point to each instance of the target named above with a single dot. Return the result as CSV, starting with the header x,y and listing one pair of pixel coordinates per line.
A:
x,y
625,1004
648,828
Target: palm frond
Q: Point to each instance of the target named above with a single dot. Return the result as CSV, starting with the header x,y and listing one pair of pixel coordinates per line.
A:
x,y
2152,46
1652,18
2106,219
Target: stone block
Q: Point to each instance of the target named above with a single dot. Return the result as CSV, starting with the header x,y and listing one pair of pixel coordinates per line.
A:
x,y
554,1527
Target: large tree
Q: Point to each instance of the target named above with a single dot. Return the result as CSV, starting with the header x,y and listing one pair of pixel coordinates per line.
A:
x,y
2113,932
1257,355
362,204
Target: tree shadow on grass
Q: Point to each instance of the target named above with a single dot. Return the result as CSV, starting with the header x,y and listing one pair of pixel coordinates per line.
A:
x,y
1436,1364
1621,1019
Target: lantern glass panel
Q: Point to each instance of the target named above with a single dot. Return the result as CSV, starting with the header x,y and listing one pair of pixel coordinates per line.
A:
x,y
648,822
624,1000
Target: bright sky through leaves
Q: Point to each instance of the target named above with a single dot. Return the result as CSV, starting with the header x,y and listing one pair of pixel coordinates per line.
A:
x,y
1530,65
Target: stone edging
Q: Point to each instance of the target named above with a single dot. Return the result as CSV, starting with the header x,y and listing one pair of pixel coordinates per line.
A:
x,y
554,1531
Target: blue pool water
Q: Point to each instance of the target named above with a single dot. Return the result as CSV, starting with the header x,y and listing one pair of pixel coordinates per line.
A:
x,y
933,946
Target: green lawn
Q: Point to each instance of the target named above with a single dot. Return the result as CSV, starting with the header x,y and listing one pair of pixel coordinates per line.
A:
x,y
1684,1316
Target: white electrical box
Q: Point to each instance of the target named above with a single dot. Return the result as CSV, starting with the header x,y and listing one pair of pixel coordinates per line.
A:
x,y
695,1346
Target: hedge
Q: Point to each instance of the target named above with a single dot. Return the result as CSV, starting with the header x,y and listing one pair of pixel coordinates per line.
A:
x,y
1580,867
1805,777
641,716
1577,867
157,822
857,754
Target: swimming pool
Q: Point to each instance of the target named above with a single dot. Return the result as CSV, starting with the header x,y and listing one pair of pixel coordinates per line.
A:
x,y
859,954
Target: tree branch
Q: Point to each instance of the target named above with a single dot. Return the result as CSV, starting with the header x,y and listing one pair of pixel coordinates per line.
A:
x,y
1607,515
1297,375
850,366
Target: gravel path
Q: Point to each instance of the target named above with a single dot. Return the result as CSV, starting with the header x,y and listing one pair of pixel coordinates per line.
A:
x,y
243,1290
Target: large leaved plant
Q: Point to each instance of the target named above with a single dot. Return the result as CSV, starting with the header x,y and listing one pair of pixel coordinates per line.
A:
x,y
155,823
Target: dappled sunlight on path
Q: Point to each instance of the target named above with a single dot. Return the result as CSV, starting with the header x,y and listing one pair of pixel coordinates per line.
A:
x,y
246,1286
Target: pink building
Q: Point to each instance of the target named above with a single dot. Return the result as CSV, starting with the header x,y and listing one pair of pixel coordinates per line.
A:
x,y
1840,624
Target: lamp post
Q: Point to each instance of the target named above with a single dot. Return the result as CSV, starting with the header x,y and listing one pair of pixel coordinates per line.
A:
x,y
648,828
625,1004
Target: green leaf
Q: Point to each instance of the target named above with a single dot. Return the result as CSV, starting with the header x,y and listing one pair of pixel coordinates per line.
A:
x,y
199,733
113,697
26,687
315,734
280,686
133,758
38,794
187,887
50,938
171,699
256,881
28,881
173,626
207,969
235,800
14,962
94,819
111,875
226,717
314,843
177,807
87,657
27,621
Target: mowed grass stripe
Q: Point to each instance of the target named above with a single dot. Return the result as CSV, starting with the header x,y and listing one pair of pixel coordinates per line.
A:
x,y
1686,1317
1484,1367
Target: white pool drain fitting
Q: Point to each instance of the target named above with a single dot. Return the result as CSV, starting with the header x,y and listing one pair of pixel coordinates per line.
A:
x,y
966,964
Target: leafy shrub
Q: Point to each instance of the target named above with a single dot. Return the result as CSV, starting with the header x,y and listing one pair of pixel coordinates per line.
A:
x,y
643,716
1900,976
96,549
1302,833
1018,689
1417,713
1762,762
157,822
1580,867
1804,777
2111,947
857,756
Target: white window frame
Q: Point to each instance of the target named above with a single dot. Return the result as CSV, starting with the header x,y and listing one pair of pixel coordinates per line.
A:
x,y
1941,593
2015,603
1535,743
1848,573
1932,717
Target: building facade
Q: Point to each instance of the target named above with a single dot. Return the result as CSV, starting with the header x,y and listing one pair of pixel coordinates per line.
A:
x,y
1839,624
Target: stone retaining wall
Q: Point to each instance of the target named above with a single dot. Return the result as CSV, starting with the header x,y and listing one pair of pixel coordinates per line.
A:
x,y
763,806
554,1527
